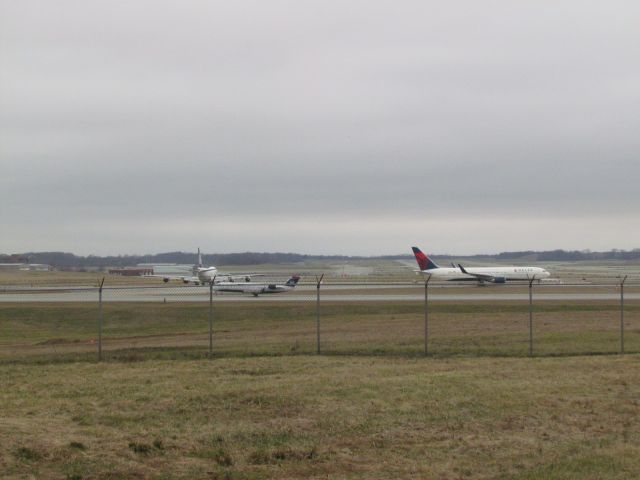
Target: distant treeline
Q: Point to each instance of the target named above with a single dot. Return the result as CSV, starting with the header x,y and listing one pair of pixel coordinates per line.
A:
x,y
564,255
71,261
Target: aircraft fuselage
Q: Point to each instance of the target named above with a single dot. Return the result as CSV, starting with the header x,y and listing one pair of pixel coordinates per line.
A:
x,y
499,274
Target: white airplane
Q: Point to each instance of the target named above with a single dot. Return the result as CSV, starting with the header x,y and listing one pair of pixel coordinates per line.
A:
x,y
257,288
206,275
479,274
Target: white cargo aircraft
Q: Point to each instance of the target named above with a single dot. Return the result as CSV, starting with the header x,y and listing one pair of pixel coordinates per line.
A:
x,y
479,274
206,275
256,288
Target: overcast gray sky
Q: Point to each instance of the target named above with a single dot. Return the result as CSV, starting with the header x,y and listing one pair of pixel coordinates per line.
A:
x,y
347,127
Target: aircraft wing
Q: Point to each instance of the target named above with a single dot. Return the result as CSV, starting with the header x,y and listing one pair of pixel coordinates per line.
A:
x,y
480,276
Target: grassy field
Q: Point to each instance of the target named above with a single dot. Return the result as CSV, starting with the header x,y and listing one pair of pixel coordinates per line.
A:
x,y
323,417
266,407
68,332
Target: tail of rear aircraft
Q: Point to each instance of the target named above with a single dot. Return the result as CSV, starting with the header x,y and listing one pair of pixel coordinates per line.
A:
x,y
293,281
196,267
424,262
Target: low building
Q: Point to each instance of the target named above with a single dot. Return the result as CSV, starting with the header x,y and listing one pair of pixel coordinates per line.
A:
x,y
131,271
168,268
35,267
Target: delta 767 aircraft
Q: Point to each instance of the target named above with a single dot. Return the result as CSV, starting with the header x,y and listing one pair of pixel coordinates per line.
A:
x,y
479,274
256,288
206,275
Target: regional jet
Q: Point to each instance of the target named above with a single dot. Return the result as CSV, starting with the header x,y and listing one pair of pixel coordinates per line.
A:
x,y
207,275
257,288
428,268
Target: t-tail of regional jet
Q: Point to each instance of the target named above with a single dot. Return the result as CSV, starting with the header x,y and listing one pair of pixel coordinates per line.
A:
x,y
293,281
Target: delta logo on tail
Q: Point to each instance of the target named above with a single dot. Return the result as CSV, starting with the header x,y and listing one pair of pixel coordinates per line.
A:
x,y
424,262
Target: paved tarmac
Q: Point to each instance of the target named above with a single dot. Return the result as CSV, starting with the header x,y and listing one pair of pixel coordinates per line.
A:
x,y
303,294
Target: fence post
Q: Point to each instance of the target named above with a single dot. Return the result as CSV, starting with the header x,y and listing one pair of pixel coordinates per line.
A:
x,y
622,314
426,315
211,317
531,280
100,320
318,283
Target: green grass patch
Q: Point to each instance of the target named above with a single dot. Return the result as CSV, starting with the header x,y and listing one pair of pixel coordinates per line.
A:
x,y
138,331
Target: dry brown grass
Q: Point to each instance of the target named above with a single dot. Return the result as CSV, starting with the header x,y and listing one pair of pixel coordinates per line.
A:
x,y
348,414
323,417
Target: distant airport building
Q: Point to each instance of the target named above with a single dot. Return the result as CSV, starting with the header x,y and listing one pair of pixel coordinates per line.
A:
x,y
33,267
131,271
168,268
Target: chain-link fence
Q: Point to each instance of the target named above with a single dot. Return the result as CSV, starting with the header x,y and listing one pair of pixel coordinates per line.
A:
x,y
129,323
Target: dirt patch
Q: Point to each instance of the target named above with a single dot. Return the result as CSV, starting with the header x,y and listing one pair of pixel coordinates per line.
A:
x,y
57,341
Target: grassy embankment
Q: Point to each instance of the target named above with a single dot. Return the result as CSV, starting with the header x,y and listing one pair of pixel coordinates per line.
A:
x,y
323,417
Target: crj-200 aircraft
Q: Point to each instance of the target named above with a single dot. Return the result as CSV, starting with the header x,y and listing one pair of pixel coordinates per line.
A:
x,y
206,275
479,274
257,288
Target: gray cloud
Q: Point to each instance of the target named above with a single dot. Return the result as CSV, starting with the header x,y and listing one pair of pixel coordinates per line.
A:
x,y
318,126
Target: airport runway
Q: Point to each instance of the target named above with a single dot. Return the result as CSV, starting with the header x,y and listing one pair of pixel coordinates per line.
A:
x,y
307,294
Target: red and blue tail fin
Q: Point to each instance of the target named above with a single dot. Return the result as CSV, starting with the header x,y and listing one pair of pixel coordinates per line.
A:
x,y
424,262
